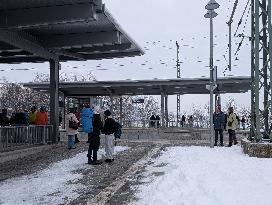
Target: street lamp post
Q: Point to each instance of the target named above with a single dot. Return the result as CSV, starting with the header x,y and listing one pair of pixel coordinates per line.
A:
x,y
211,6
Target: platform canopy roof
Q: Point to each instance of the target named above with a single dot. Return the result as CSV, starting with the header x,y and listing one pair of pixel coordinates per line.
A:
x,y
147,87
38,30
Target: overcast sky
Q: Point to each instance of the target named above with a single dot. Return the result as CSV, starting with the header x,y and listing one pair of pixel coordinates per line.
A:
x,y
155,25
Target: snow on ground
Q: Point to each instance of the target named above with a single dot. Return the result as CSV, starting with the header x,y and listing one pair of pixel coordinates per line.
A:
x,y
54,185
204,176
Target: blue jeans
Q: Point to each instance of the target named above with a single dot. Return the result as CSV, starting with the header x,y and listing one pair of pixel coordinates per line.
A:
x,y
71,141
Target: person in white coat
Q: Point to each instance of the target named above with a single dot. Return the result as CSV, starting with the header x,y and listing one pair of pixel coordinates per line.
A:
x,y
70,130
231,126
108,130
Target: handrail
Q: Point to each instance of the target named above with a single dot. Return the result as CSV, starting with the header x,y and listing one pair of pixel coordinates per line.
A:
x,y
13,136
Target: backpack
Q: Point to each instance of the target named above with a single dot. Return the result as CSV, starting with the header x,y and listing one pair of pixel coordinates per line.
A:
x,y
87,120
72,124
118,130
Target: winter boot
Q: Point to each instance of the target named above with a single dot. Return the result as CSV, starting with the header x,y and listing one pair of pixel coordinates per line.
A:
x,y
230,144
90,161
97,162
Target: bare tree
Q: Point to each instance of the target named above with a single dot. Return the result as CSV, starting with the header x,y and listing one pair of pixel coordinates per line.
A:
x,y
17,98
64,77
132,112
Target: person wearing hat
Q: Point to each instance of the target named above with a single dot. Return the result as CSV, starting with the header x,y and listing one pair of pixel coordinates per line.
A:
x,y
94,137
231,126
33,115
108,130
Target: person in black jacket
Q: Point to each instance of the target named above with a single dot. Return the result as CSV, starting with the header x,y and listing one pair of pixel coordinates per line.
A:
x,y
152,121
94,137
108,130
4,120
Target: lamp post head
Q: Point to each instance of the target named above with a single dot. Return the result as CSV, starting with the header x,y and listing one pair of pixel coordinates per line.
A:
x,y
212,4
210,14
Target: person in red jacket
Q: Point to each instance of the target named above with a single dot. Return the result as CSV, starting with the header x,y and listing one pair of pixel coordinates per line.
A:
x,y
42,117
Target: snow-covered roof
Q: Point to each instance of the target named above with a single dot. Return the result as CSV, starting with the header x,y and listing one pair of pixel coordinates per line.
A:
x,y
32,31
180,86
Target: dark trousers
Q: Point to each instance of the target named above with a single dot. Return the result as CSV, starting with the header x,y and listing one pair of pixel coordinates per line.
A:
x,y
76,139
220,131
232,137
92,153
94,143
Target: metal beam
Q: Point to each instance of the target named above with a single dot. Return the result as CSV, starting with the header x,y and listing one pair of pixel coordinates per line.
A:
x,y
162,110
25,42
54,98
7,47
111,55
76,56
44,16
14,54
166,111
82,39
104,48
36,59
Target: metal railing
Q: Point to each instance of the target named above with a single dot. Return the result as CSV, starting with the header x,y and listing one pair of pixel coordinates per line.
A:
x,y
141,123
158,123
13,136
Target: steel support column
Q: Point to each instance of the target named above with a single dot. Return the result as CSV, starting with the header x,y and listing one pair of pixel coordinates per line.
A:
x,y
111,104
178,76
91,101
166,111
211,83
261,71
121,111
270,55
54,98
162,111
63,97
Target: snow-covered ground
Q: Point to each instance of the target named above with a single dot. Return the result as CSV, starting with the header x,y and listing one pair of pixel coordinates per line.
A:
x,y
54,185
204,176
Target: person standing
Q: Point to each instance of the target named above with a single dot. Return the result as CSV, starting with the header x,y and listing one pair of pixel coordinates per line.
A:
x,y
108,130
231,126
191,121
158,119
219,123
71,129
243,121
4,120
42,116
33,115
94,139
87,120
152,120
183,119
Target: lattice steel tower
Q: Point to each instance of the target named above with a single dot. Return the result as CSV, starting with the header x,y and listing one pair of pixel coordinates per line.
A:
x,y
178,76
261,70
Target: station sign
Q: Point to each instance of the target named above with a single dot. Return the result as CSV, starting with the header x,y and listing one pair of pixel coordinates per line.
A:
x,y
138,101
